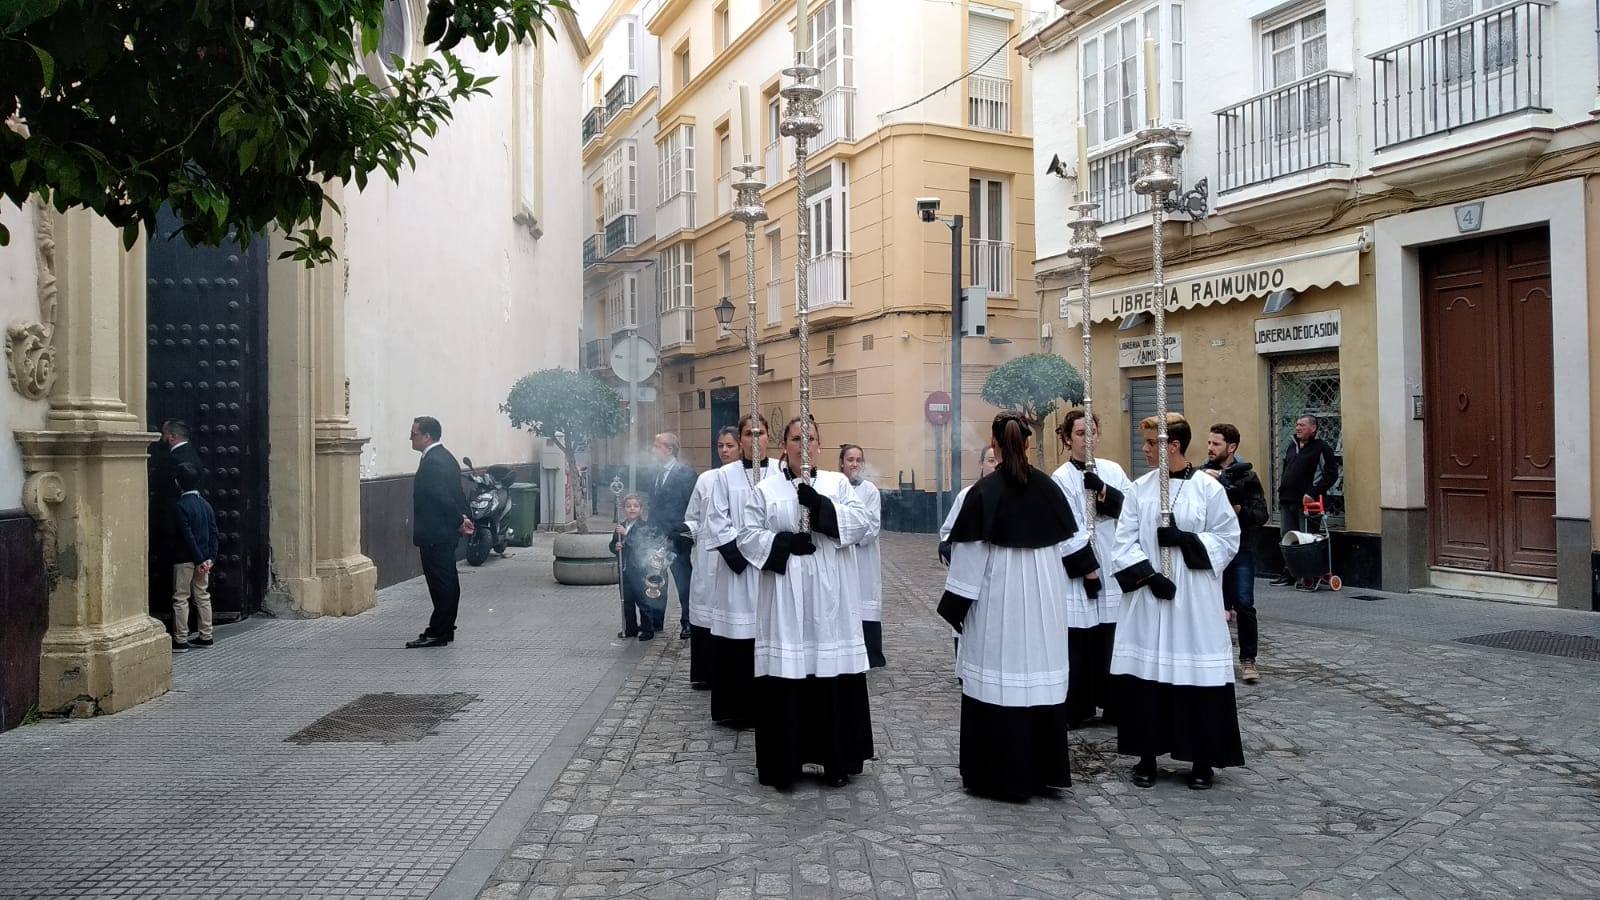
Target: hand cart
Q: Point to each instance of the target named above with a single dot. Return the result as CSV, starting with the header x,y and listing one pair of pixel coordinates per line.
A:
x,y
1311,561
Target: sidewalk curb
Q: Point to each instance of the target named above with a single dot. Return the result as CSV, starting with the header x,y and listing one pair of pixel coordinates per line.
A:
x,y
473,870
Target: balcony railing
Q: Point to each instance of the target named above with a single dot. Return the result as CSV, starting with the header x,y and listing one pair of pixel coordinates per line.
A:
x,y
621,233
838,109
829,279
989,103
621,96
597,355
773,162
1294,128
675,214
1470,71
1111,178
677,327
991,266
724,194
594,124
593,249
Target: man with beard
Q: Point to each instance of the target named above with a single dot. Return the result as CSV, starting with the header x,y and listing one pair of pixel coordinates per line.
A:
x,y
1250,505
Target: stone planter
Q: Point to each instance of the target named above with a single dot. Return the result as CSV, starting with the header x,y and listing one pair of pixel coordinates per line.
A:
x,y
585,559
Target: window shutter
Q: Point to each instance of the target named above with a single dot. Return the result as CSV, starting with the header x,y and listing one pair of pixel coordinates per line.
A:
x,y
985,35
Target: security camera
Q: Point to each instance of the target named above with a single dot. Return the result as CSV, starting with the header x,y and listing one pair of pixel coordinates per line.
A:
x,y
928,208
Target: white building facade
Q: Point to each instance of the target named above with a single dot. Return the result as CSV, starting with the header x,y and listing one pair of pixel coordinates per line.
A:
x,y
1387,224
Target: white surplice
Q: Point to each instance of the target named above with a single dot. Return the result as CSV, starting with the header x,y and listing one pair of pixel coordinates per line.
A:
x,y
955,510
1183,641
808,618
865,558
1081,611
703,555
731,612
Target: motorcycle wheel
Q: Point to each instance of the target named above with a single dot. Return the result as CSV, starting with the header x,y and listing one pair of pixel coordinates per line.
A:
x,y
500,543
477,548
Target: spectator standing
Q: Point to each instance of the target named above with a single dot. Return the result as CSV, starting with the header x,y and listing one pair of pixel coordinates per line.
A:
x,y
196,525
166,456
670,493
438,520
1310,470
1250,505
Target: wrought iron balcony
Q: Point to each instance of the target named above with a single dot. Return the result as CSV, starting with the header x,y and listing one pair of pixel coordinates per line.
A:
x,y
621,96
989,103
991,266
597,355
594,124
621,233
1474,70
592,247
838,109
1111,177
1294,128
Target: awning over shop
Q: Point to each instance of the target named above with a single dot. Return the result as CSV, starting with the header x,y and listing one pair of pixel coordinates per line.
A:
x,y
1333,261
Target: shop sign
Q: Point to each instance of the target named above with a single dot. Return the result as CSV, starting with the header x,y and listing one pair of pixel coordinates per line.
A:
x,y
1287,334
1141,351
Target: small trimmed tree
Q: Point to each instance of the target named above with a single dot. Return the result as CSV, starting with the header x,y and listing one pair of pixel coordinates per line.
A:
x,y
569,409
1032,385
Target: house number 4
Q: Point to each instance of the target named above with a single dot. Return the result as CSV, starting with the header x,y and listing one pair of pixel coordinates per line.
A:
x,y
1469,217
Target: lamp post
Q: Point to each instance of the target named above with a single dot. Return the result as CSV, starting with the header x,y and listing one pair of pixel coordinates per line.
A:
x,y
928,210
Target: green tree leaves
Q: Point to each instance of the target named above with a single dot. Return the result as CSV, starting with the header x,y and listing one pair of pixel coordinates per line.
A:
x,y
571,409
236,113
1033,385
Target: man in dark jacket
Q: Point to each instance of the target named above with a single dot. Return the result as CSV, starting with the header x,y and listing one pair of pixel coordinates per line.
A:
x,y
168,455
670,491
1250,505
438,519
195,550
1310,470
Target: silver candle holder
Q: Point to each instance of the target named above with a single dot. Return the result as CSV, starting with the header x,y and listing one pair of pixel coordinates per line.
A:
x,y
802,121
1157,154
750,209
1086,249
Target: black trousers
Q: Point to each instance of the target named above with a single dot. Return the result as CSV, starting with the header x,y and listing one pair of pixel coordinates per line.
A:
x,y
444,587
682,571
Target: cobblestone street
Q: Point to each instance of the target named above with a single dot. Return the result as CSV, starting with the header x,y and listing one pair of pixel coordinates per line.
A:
x,y
1386,758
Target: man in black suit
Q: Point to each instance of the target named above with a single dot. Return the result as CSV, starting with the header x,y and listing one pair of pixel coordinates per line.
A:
x,y
669,501
167,455
438,520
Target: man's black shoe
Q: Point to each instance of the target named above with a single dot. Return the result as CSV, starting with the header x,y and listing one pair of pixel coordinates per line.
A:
x,y
683,633
700,685
647,635
428,641
1282,581
201,642
1201,779
1144,775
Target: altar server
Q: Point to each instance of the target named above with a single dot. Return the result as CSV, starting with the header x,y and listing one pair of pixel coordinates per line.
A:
x,y
703,582
866,557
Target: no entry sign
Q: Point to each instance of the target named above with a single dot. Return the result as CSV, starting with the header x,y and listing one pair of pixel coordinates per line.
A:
x,y
937,408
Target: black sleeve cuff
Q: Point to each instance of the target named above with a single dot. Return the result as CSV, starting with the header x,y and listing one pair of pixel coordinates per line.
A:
x,y
1081,562
1194,552
825,519
1111,506
1130,578
778,556
732,556
953,609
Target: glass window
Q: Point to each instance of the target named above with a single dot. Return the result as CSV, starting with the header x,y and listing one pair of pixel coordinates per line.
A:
x,y
1111,71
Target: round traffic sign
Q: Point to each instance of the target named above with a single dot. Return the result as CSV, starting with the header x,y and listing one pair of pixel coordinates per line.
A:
x,y
937,408
633,359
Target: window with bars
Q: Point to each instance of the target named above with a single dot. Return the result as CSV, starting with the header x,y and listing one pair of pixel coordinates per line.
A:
x,y
1307,384
1111,72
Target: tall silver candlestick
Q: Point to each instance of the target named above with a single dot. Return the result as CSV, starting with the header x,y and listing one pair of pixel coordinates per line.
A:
x,y
749,208
1157,154
802,121
1085,248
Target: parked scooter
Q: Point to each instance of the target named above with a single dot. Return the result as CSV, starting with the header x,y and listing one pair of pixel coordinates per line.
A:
x,y
490,509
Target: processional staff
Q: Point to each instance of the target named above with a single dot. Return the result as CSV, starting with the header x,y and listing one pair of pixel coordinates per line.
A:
x,y
802,121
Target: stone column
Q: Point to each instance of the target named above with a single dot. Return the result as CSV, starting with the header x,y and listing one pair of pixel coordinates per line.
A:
x,y
315,471
87,477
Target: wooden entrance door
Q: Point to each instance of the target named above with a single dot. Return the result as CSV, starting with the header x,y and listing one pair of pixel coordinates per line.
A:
x,y
1489,393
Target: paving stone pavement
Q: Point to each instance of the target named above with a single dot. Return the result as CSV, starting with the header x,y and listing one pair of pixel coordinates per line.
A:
x,y
1385,760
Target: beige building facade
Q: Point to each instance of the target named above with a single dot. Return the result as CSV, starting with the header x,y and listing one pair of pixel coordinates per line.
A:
x,y
299,386
926,105
1381,229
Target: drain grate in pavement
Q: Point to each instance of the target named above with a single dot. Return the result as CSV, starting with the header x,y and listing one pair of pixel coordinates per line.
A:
x,y
383,719
1367,597
1548,643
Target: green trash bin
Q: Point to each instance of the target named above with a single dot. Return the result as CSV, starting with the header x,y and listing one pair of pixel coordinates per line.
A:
x,y
524,513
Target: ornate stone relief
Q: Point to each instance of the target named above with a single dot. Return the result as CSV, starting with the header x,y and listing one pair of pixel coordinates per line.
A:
x,y
30,346
41,492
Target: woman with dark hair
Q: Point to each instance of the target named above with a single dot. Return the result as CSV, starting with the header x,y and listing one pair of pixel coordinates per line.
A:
x,y
1004,594
732,610
703,581
865,559
811,661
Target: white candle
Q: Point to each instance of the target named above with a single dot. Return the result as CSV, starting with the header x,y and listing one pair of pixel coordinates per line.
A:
x,y
1152,82
800,41
744,119
1083,157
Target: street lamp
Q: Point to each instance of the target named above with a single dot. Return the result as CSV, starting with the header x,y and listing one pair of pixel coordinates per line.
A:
x,y
724,311
928,211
